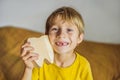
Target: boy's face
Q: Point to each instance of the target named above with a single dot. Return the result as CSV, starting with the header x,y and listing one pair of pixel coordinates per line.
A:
x,y
64,37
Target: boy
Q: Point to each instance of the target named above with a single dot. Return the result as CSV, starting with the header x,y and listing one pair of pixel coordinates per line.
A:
x,y
65,29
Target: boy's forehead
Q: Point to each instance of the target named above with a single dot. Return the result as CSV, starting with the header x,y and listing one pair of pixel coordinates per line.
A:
x,y
60,20
63,23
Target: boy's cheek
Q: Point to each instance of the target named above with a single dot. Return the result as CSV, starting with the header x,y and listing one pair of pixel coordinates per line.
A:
x,y
51,41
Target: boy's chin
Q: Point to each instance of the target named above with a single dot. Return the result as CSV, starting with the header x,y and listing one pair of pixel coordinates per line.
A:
x,y
62,52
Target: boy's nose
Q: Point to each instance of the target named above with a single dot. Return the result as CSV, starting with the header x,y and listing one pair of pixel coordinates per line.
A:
x,y
61,34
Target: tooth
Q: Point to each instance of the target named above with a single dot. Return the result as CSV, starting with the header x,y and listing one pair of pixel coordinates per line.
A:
x,y
62,43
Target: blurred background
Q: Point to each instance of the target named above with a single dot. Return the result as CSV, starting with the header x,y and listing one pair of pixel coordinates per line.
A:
x,y
102,17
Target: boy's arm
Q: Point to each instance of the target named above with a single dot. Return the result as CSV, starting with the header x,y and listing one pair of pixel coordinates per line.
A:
x,y
27,74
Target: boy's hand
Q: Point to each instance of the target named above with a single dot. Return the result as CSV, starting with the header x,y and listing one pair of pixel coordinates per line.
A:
x,y
27,56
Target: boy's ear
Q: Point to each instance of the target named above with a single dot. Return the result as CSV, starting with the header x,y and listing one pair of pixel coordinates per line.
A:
x,y
80,38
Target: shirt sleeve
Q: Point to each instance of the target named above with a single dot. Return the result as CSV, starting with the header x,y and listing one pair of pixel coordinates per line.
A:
x,y
35,73
87,74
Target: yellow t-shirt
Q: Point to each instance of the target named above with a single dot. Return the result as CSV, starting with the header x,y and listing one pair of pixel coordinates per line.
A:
x,y
79,70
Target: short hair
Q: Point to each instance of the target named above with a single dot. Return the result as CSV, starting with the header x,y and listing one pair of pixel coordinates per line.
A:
x,y
67,14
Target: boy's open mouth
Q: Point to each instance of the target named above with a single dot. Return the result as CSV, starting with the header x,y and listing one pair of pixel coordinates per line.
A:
x,y
60,44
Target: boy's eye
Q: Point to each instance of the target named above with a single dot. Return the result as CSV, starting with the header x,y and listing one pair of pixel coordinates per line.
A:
x,y
69,30
54,29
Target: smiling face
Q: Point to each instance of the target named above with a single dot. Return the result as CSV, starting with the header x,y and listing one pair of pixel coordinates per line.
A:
x,y
65,28
64,36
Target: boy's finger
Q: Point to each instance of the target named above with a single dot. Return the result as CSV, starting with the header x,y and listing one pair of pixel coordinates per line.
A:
x,y
29,55
26,44
26,49
32,58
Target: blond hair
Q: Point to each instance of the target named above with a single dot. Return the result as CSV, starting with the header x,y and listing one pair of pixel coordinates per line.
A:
x,y
67,14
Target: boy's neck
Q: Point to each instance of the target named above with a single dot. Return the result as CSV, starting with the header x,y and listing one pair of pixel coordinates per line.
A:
x,y
64,60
